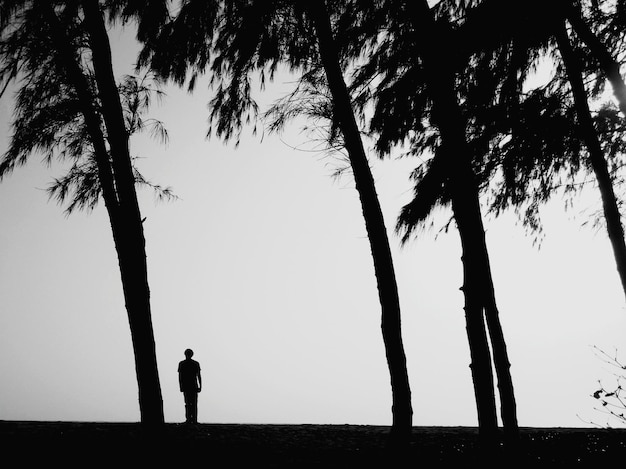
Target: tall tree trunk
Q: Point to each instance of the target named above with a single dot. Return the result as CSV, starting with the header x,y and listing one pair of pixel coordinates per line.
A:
x,y
374,222
596,157
132,263
479,282
130,241
478,288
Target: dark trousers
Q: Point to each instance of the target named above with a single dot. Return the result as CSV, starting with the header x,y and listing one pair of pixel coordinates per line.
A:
x,y
191,406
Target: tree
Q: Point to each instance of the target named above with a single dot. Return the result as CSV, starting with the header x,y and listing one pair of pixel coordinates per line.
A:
x,y
374,221
585,55
502,49
610,69
597,160
68,105
415,103
257,36
464,195
533,159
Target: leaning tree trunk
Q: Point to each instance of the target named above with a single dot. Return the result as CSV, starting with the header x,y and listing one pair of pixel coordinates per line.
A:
x,y
132,263
374,222
596,157
128,234
86,99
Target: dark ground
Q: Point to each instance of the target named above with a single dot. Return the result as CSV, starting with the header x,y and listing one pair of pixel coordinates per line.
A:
x,y
77,444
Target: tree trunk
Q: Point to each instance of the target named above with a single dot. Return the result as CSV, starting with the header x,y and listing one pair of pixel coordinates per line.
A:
x,y
478,283
130,242
130,250
466,211
374,222
596,157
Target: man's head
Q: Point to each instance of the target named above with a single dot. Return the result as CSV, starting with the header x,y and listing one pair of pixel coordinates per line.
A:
x,y
189,353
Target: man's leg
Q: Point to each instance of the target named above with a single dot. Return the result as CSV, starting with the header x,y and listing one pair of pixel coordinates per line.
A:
x,y
188,410
193,407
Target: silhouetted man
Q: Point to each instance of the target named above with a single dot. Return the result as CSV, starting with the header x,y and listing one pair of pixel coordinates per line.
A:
x,y
190,385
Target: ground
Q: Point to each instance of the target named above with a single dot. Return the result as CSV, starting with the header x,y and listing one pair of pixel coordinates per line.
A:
x,y
88,444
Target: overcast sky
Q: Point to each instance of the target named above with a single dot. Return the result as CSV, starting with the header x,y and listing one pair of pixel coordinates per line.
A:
x,y
263,268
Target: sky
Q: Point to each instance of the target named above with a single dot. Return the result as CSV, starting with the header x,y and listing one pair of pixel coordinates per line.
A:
x,y
262,266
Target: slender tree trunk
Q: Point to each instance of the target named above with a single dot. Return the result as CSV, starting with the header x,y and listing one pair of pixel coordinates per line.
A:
x,y
374,222
596,157
480,305
130,242
132,263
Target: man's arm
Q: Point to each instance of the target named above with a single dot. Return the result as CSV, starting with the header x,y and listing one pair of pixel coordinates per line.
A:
x,y
180,379
199,380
